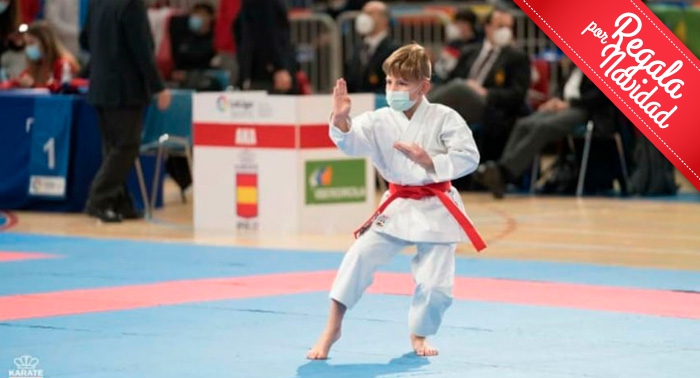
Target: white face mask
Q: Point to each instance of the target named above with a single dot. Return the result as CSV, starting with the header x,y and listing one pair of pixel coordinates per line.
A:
x,y
453,33
401,100
364,24
502,37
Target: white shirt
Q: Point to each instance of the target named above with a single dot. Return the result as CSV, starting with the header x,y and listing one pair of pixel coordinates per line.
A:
x,y
572,88
439,130
487,65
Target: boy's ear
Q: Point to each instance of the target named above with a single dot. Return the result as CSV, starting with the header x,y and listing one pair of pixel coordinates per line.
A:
x,y
426,86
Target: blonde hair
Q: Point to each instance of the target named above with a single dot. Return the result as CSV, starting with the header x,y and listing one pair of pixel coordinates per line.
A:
x,y
410,62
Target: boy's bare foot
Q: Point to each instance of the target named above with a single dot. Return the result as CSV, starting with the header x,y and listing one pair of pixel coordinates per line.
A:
x,y
421,346
323,345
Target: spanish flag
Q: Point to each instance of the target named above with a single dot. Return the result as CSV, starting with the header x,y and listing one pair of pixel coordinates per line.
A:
x,y
247,195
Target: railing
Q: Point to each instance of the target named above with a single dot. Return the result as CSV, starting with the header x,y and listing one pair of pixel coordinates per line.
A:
x,y
324,45
315,36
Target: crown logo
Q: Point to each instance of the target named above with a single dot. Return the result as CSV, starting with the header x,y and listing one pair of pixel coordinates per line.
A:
x,y
26,362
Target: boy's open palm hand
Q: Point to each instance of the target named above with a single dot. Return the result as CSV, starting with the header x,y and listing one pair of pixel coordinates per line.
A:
x,y
416,153
341,100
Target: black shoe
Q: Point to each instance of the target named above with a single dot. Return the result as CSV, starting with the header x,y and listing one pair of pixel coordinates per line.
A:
x,y
131,214
489,175
105,215
125,207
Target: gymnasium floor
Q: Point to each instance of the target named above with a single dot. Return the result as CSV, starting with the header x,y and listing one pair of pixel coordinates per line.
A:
x,y
590,287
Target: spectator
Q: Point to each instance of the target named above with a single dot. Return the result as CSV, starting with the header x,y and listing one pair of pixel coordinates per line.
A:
x,y
581,101
266,56
123,78
363,72
192,44
9,14
13,61
46,59
489,84
461,32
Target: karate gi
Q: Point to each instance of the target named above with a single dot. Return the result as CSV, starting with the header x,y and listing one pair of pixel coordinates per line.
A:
x,y
426,222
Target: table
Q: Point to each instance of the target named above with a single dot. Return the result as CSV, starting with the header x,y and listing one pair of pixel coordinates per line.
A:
x,y
84,154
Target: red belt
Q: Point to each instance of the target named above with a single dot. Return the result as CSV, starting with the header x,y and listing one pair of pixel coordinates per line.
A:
x,y
438,190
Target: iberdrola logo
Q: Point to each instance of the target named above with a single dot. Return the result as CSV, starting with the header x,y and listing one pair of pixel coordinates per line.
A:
x,y
322,176
335,181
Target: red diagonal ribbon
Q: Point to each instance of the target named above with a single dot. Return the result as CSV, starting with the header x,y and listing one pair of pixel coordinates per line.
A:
x,y
616,40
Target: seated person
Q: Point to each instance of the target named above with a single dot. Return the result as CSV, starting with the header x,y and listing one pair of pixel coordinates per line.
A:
x,y
363,72
581,101
192,44
46,60
488,85
13,61
461,32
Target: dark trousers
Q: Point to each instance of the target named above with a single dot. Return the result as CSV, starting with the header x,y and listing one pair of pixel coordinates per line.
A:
x,y
458,96
121,138
535,131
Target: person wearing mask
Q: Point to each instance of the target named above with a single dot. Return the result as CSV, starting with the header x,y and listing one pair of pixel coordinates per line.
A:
x,y
266,56
363,72
489,84
48,63
123,79
192,44
461,32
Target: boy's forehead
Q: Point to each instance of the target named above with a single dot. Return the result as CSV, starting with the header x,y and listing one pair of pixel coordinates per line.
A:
x,y
399,78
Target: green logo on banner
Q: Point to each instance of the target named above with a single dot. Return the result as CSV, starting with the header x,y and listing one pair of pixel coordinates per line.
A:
x,y
335,181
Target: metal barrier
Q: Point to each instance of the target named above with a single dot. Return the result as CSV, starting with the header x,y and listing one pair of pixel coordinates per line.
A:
x,y
529,37
324,45
315,36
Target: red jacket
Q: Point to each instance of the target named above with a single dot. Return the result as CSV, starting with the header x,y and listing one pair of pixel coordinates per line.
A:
x,y
224,40
29,10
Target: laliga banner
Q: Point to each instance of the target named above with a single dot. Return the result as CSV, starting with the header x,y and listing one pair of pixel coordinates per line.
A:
x,y
638,63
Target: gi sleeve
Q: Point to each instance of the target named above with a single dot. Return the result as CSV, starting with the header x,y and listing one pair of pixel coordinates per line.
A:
x,y
462,156
359,140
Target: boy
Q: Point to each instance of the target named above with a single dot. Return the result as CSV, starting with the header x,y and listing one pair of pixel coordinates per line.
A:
x,y
419,148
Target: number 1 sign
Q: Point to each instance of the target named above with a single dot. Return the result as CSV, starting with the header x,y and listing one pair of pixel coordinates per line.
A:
x,y
50,148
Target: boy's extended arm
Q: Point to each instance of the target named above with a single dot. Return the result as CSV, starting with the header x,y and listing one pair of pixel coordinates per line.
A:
x,y
354,136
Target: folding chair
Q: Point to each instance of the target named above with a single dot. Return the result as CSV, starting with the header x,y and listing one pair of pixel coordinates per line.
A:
x,y
165,133
588,138
586,153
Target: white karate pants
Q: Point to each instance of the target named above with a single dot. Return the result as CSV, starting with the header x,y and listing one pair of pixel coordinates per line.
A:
x,y
433,271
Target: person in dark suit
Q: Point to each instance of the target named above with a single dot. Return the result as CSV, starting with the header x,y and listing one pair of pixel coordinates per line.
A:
x,y
123,78
489,84
580,102
266,56
363,72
